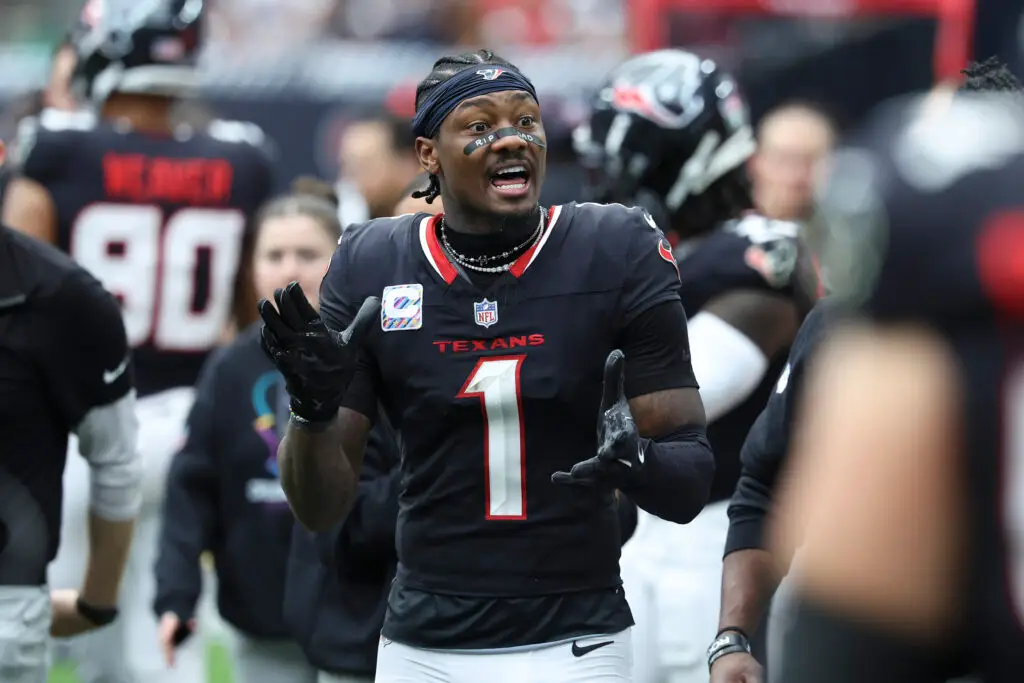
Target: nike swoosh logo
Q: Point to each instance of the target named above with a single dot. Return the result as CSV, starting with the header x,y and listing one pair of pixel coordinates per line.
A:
x,y
578,651
110,376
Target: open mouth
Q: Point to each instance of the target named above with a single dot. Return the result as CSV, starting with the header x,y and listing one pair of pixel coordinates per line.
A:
x,y
512,181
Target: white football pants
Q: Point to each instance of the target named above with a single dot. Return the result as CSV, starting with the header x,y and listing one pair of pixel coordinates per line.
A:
x,y
610,662
673,575
24,633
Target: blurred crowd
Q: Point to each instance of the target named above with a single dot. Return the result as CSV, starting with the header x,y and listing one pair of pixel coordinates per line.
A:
x,y
293,22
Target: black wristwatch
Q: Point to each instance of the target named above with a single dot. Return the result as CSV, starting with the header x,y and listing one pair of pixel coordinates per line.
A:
x,y
97,616
728,642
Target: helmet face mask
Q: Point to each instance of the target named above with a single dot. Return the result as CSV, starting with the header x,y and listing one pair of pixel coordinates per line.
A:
x,y
664,127
137,47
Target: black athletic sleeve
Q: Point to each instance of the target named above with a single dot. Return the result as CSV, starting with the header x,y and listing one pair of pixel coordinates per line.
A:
x,y
652,274
657,350
190,503
338,306
653,334
767,443
86,356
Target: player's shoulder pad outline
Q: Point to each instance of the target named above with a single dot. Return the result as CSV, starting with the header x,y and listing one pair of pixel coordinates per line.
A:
x,y
48,121
238,132
773,246
625,216
375,232
760,229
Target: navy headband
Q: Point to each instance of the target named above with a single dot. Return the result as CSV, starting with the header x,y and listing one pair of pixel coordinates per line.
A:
x,y
465,84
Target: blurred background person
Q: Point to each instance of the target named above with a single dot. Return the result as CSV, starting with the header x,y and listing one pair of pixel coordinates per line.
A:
x,y
57,94
223,494
54,100
793,141
902,512
376,155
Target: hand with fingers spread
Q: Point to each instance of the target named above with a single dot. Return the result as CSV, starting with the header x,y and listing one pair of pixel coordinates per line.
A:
x,y
317,363
620,454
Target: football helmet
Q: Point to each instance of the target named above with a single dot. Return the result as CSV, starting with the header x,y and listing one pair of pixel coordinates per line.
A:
x,y
137,46
668,130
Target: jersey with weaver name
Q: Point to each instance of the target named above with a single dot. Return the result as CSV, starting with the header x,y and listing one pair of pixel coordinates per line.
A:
x,y
161,221
494,389
751,253
943,246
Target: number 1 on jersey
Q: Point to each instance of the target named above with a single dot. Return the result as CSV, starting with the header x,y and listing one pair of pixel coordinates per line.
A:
x,y
495,382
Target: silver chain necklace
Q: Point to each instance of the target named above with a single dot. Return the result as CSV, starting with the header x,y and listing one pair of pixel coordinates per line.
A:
x,y
475,262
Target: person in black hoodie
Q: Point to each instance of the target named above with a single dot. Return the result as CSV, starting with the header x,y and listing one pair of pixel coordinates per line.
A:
x,y
223,492
338,581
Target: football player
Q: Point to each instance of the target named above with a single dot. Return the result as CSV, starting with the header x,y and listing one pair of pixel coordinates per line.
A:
x,y
907,502
492,334
157,212
669,131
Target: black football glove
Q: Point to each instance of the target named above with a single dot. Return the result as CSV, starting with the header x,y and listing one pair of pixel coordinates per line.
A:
x,y
316,362
619,446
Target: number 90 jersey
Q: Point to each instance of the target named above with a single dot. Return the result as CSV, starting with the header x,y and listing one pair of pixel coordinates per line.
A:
x,y
161,221
493,389
929,217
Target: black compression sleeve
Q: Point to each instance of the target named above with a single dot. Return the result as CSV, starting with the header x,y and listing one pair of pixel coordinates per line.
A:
x,y
761,459
764,451
657,350
361,394
824,646
675,481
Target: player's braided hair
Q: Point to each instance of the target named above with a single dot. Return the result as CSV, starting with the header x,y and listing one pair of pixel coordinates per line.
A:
x,y
309,197
990,76
445,68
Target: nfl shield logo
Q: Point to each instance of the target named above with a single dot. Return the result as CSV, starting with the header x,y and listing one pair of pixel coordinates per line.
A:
x,y
485,312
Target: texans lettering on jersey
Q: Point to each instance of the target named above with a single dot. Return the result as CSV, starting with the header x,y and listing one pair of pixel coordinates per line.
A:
x,y
495,388
161,221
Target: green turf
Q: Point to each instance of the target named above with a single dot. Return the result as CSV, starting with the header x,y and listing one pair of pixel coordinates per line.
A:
x,y
218,668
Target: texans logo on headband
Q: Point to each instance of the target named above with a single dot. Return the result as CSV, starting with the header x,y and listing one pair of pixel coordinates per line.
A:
x,y
490,74
463,85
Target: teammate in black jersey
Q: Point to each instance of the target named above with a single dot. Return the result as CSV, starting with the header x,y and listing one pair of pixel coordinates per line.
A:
x,y
908,497
486,334
669,130
158,212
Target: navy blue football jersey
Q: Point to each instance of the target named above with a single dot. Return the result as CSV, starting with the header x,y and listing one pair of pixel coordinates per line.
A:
x,y
751,253
938,240
494,389
161,220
